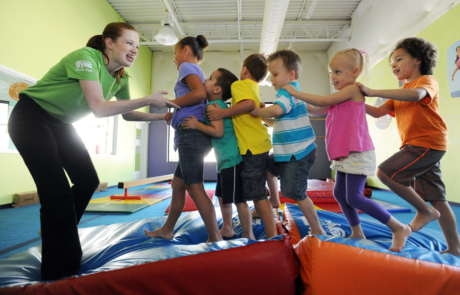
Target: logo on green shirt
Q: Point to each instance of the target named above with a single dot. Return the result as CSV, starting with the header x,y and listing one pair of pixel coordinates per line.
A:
x,y
84,65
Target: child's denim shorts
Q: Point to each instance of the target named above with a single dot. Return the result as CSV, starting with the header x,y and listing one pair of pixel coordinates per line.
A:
x,y
293,175
193,146
254,176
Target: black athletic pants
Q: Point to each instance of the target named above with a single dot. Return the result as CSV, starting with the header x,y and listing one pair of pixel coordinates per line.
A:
x,y
48,147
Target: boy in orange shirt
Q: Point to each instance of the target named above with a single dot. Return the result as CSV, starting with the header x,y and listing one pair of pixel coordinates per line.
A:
x,y
423,134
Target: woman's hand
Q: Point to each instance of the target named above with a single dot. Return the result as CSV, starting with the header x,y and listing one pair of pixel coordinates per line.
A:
x,y
158,101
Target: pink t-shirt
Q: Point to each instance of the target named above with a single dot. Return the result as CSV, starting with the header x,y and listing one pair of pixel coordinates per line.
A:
x,y
346,130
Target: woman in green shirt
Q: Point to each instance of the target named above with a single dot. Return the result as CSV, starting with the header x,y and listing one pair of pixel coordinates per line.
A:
x,y
41,128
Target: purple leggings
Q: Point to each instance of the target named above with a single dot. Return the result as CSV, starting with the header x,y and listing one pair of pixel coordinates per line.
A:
x,y
348,191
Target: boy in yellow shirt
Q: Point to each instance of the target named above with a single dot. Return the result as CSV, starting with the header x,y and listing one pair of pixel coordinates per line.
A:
x,y
253,138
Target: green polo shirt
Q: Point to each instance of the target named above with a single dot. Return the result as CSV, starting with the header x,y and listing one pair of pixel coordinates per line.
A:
x,y
59,91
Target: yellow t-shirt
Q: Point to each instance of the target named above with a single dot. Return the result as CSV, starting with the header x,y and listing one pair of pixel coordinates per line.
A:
x,y
250,132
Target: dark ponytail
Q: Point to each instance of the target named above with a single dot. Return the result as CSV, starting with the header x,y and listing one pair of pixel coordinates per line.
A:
x,y
112,31
197,45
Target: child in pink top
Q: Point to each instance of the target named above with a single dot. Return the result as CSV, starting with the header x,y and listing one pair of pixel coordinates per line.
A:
x,y
349,145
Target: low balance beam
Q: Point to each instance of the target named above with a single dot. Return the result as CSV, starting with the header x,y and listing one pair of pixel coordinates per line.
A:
x,y
132,183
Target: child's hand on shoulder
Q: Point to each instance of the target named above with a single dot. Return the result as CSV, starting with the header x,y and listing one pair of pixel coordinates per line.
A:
x,y
290,89
168,118
255,111
215,113
190,123
367,91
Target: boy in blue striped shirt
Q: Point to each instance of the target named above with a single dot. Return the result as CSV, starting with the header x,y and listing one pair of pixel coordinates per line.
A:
x,y
294,148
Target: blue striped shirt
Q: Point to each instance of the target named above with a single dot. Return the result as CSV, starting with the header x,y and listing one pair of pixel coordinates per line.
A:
x,y
292,131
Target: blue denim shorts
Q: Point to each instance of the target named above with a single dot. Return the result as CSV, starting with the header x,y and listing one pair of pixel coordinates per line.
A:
x,y
193,146
293,175
254,176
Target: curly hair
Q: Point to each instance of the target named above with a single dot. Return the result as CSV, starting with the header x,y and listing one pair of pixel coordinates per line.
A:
x,y
421,49
291,60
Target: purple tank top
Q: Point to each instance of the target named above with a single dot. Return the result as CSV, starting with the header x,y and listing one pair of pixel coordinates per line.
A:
x,y
346,130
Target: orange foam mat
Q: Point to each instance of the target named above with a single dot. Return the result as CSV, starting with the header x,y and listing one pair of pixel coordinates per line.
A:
x,y
332,268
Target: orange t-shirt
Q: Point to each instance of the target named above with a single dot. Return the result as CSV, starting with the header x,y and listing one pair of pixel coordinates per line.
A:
x,y
419,122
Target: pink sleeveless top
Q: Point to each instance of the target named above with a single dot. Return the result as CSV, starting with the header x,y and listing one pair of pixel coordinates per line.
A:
x,y
346,130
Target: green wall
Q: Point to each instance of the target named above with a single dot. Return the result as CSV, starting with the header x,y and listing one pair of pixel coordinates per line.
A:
x,y
35,35
443,34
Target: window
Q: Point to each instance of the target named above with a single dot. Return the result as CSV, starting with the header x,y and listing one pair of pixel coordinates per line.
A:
x,y
98,135
173,156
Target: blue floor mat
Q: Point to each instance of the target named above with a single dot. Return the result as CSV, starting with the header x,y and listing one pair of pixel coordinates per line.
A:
x,y
419,245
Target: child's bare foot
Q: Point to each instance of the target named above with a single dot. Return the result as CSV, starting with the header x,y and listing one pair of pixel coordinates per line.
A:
x,y
455,252
356,236
159,233
227,233
421,219
399,238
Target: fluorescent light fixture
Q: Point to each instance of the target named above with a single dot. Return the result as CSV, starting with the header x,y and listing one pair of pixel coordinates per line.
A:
x,y
166,36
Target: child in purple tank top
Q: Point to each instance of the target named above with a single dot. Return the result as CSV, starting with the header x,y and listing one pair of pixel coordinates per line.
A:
x,y
192,145
349,145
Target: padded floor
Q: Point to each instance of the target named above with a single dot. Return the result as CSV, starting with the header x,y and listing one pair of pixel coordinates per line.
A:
x,y
125,244
378,237
331,207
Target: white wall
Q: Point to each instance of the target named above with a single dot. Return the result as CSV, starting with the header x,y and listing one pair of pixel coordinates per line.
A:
x,y
377,25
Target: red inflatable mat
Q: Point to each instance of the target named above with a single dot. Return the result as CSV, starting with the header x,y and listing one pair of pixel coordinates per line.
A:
x,y
190,204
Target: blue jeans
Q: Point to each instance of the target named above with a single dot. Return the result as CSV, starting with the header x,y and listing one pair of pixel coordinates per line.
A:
x,y
193,146
294,175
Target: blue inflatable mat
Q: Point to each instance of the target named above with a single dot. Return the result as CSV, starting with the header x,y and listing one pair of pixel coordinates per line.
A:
x,y
418,246
124,244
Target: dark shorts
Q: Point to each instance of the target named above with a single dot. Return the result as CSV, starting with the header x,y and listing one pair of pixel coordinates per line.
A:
x,y
193,146
254,176
229,185
421,166
293,175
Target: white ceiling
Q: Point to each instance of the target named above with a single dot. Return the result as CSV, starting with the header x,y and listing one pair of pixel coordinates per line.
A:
x,y
311,25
